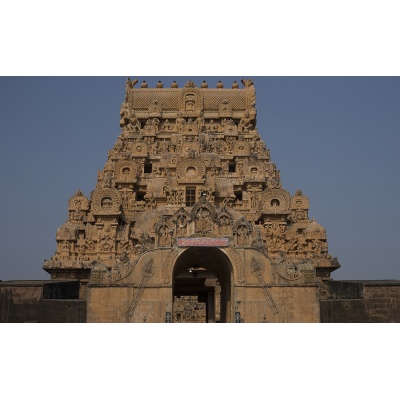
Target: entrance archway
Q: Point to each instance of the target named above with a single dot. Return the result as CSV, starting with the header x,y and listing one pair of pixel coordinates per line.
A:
x,y
202,286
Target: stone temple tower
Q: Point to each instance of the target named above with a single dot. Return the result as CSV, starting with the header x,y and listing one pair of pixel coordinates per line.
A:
x,y
189,222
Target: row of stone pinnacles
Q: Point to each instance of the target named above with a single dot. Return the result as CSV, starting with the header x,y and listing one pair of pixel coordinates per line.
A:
x,y
189,162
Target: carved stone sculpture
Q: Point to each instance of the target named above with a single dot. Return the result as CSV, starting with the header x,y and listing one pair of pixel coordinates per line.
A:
x,y
189,166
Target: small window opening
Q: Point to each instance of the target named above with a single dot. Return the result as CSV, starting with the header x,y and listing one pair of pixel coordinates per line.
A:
x,y
232,167
148,168
239,195
190,196
275,203
140,196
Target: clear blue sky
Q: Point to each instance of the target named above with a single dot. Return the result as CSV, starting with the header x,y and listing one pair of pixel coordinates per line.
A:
x,y
336,138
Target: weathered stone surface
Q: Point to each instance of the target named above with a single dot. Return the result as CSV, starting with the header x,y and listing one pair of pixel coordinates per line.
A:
x,y
189,222
41,301
362,301
190,167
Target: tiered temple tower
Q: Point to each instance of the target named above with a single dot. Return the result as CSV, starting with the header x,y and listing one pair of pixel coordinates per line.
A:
x,y
189,203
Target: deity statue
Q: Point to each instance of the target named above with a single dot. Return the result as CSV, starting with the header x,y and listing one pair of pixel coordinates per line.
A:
x,y
224,224
125,115
179,123
203,221
200,123
163,236
242,235
181,225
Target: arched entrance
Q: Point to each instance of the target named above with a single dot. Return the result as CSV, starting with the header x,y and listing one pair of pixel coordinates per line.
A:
x,y
202,286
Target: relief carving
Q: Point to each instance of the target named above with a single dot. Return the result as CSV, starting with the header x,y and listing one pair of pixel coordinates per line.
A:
x,y
225,109
203,224
242,229
224,225
167,266
180,122
296,243
154,108
181,225
275,233
190,101
181,221
106,201
147,272
245,123
125,171
257,269
285,268
237,262
129,121
195,156
190,167
242,235
151,126
276,201
167,126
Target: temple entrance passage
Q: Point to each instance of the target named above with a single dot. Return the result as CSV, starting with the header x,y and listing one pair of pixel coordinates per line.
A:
x,y
202,289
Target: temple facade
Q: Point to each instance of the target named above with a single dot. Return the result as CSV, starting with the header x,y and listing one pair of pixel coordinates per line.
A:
x,y
188,220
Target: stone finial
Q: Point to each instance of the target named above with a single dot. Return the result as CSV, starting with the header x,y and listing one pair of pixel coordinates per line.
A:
x,y
130,84
144,85
235,85
174,85
247,83
159,85
220,85
204,85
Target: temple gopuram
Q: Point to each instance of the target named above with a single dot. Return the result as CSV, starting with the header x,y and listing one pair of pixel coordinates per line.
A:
x,y
189,221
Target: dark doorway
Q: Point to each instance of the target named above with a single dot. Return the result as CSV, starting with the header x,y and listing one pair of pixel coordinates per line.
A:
x,y
202,286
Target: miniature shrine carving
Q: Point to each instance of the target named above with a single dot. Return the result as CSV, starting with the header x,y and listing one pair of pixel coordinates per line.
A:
x,y
190,169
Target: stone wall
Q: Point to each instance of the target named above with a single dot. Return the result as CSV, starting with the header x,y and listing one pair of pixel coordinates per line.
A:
x,y
293,304
52,301
41,301
111,304
362,301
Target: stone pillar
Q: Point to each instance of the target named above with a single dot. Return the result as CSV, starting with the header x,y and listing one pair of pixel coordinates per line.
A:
x,y
210,306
